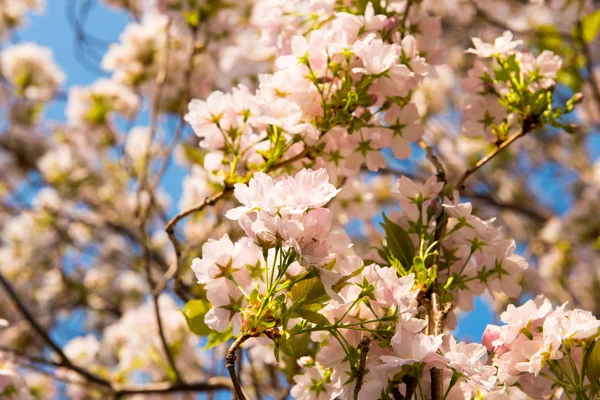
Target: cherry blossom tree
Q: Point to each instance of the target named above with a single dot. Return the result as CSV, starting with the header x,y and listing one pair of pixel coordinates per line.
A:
x,y
353,176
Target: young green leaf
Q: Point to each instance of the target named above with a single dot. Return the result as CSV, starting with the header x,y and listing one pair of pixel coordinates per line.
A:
x,y
312,316
216,338
593,364
194,312
399,242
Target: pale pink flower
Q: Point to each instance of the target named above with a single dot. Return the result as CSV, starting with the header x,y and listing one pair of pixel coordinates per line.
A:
x,y
482,114
261,193
412,348
306,385
410,190
376,56
308,189
204,116
221,257
399,80
503,45
579,324
373,22
288,195
545,66
405,126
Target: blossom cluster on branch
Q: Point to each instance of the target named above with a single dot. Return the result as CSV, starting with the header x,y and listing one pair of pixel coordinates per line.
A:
x,y
301,199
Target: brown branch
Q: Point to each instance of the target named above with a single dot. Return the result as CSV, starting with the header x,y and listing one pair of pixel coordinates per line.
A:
x,y
491,155
212,384
439,167
436,313
363,347
405,17
64,360
437,317
230,363
396,395
29,357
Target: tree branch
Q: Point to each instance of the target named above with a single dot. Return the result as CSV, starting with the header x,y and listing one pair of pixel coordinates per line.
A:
x,y
210,385
490,155
363,347
230,362
437,317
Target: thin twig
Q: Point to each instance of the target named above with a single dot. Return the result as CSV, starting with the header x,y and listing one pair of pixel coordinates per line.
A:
x,y
29,357
155,300
439,167
489,156
230,363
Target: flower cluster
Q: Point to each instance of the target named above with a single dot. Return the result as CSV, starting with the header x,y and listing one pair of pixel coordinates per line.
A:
x,y
512,92
291,277
13,12
31,70
281,112
539,346
344,92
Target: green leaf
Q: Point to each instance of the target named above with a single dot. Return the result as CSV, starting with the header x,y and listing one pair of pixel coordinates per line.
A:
x,y
590,25
216,338
194,154
194,312
192,17
301,289
313,317
570,77
593,363
308,291
399,242
283,343
549,38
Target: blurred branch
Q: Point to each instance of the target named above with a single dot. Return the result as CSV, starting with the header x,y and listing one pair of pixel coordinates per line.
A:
x,y
64,360
491,155
587,52
210,385
439,168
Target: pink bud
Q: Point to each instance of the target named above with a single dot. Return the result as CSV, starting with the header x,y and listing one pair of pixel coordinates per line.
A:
x,y
491,334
